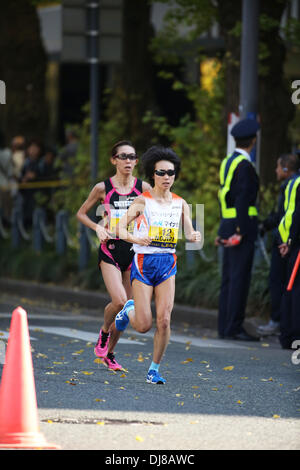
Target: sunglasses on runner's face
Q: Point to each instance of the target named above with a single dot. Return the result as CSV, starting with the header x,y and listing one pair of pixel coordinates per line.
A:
x,y
164,172
124,156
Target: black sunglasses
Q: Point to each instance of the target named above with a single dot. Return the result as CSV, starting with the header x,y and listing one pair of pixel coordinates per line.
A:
x,y
124,156
164,172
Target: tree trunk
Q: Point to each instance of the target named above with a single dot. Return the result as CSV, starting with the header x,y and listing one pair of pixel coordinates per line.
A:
x,y
229,13
137,71
275,106
23,69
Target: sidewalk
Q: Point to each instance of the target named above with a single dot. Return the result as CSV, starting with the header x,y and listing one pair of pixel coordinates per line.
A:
x,y
94,301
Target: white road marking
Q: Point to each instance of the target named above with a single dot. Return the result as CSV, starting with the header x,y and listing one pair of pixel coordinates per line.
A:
x,y
76,334
198,342
37,316
93,337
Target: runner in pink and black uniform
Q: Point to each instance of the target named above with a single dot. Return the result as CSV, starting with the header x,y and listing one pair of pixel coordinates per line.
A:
x,y
115,256
117,252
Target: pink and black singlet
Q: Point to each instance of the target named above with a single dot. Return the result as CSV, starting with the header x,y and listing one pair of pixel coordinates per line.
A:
x,y
117,252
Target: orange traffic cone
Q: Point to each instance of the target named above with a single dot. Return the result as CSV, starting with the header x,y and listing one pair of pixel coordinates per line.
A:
x,y
19,423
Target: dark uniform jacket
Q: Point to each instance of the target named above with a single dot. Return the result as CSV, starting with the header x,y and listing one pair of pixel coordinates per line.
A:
x,y
242,194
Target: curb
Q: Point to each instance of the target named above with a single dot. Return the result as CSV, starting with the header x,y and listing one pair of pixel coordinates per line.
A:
x,y
92,300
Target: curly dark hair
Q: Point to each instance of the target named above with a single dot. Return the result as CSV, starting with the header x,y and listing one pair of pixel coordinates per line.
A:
x,y
156,154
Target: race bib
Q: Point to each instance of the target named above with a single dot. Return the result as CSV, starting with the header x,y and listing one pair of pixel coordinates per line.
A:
x,y
114,220
163,237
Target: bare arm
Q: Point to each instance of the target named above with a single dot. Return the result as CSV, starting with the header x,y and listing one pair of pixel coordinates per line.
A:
x,y
97,194
134,211
189,232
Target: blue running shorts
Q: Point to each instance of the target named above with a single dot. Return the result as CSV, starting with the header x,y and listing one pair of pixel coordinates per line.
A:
x,y
153,269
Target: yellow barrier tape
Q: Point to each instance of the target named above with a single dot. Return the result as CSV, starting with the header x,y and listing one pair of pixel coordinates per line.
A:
x,y
39,184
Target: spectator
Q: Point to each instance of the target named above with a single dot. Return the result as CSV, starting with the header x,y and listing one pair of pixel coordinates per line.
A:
x,y
29,175
68,153
47,171
46,166
287,167
6,174
18,155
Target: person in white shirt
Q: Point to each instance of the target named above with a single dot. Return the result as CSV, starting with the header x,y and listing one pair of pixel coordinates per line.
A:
x,y
157,214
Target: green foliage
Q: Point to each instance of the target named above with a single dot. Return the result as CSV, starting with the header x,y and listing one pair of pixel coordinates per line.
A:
x,y
48,266
72,196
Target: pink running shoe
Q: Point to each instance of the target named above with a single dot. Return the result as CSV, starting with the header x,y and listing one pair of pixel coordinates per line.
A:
x,y
111,363
101,347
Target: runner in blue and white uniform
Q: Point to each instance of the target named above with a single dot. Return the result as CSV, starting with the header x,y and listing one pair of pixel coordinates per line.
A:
x,y
115,195
157,214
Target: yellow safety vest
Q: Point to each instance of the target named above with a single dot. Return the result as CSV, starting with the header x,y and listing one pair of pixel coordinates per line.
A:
x,y
225,182
289,207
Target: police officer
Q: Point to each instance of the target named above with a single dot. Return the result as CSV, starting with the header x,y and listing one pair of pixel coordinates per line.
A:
x,y
287,167
239,186
289,231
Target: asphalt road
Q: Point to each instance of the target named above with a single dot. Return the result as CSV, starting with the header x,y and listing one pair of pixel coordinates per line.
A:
x,y
219,394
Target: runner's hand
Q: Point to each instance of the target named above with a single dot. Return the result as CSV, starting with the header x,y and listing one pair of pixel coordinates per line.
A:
x,y
143,241
195,237
103,234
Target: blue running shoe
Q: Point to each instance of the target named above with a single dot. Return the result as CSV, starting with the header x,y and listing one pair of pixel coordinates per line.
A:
x,y
122,319
153,377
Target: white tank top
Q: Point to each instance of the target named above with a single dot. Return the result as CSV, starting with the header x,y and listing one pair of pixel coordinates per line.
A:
x,y
161,223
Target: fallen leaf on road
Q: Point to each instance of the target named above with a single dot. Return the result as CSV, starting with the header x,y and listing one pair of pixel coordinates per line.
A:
x,y
77,353
228,368
98,361
189,359
41,355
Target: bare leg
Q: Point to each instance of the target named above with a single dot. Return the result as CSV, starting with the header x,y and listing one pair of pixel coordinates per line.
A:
x,y
114,284
141,317
164,301
115,334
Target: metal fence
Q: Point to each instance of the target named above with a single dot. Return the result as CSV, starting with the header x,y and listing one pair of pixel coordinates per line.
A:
x,y
41,234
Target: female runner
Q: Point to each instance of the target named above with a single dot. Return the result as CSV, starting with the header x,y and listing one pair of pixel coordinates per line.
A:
x,y
156,214
115,256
